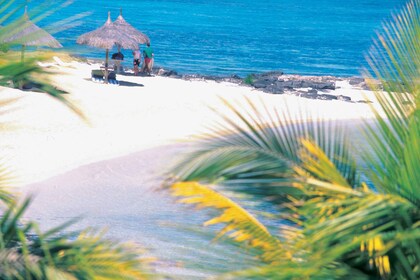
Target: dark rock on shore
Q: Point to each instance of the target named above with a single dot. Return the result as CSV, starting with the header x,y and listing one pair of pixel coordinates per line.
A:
x,y
344,98
267,76
273,82
261,84
356,81
235,79
166,73
327,97
273,89
276,82
363,83
196,77
322,85
309,95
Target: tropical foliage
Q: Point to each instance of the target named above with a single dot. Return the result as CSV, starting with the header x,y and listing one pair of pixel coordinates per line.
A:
x,y
28,73
343,211
25,251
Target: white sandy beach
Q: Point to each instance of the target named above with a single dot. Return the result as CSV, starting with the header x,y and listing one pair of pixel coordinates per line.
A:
x,y
141,113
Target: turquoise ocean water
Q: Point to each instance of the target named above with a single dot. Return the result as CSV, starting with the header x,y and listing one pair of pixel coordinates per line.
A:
x,y
221,37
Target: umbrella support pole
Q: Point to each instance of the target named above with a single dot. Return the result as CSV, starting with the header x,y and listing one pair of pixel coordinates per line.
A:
x,y
106,66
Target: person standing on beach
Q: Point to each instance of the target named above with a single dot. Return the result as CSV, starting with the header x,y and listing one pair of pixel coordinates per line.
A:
x,y
148,59
136,61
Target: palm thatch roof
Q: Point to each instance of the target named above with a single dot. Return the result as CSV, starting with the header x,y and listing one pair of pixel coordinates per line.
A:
x,y
107,36
25,32
130,31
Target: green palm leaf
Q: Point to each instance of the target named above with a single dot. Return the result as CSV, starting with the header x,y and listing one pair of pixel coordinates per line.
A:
x,y
16,73
13,70
319,271
338,223
240,225
27,253
5,14
344,227
257,152
395,60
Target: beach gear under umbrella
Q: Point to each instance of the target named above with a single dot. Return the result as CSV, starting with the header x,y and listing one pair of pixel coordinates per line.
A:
x,y
106,37
24,32
130,31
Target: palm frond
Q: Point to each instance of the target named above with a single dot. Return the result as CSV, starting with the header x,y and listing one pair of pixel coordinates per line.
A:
x,y
92,256
6,183
5,14
339,220
27,253
49,7
9,224
395,58
395,61
256,151
361,230
16,266
317,163
67,23
240,225
303,270
31,73
14,72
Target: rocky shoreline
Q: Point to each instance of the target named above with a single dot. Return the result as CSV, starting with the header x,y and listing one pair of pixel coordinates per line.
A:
x,y
275,82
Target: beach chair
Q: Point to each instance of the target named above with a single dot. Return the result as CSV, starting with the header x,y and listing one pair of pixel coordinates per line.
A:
x,y
62,63
98,76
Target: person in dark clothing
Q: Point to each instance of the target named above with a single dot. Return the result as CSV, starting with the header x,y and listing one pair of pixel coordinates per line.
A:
x,y
118,57
136,61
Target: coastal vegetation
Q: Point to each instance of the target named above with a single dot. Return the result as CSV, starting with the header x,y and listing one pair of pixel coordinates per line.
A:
x,y
340,211
23,72
248,80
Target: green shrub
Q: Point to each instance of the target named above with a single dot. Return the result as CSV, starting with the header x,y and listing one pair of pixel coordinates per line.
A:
x,y
249,79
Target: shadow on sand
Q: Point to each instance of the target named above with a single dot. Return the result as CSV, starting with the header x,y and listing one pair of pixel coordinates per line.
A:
x,y
124,83
140,74
130,84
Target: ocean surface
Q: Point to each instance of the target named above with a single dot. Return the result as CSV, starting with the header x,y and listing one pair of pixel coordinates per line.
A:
x,y
221,37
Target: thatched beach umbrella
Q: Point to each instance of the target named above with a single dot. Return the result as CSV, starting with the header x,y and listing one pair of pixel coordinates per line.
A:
x,y
106,37
130,31
24,32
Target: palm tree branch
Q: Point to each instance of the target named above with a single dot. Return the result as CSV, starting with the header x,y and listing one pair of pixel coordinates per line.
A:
x,y
395,62
239,223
